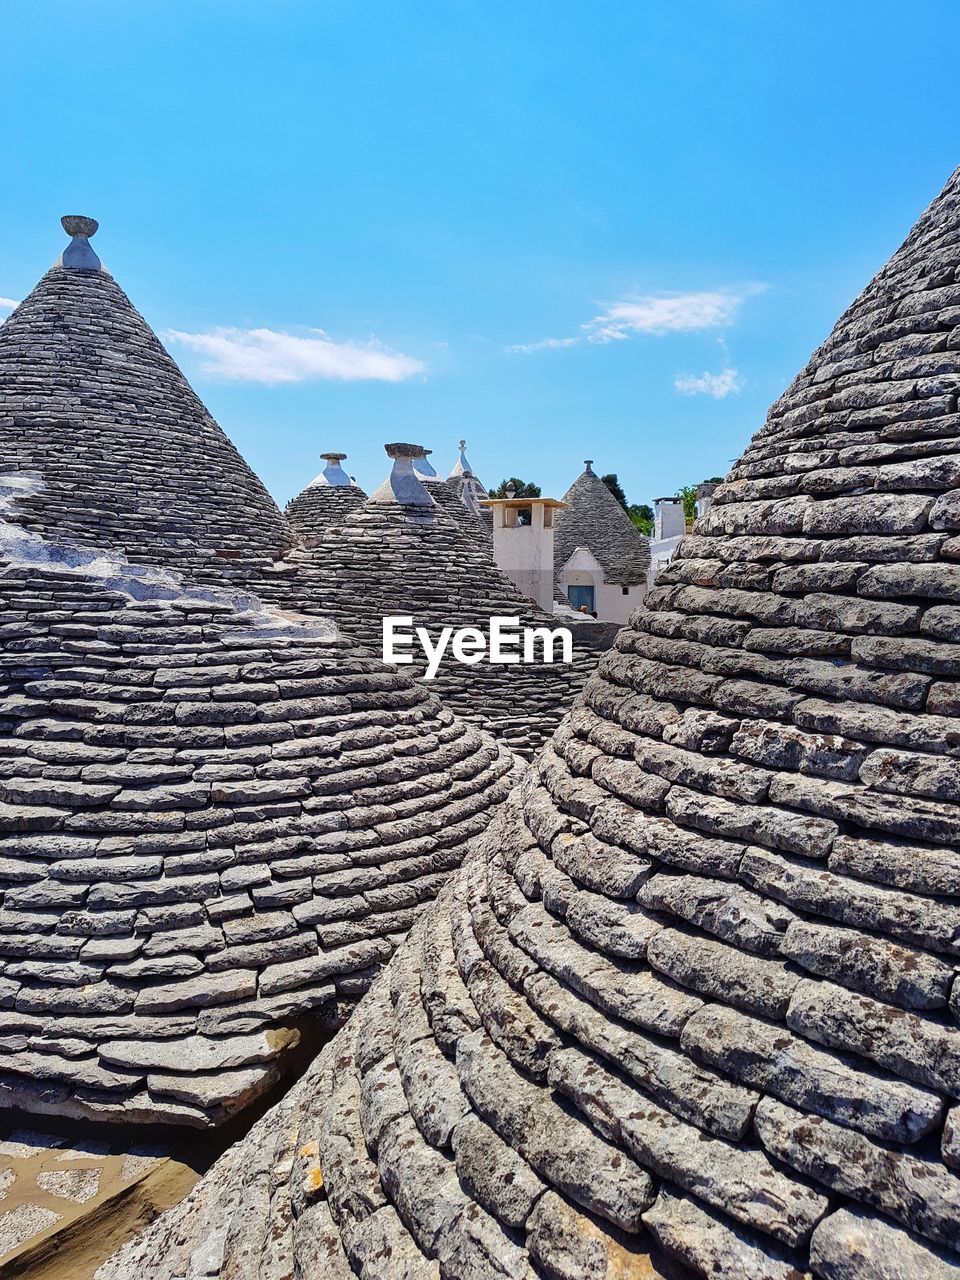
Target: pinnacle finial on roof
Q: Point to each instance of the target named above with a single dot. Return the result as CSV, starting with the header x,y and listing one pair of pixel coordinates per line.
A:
x,y
403,485
588,467
79,255
423,468
333,474
405,451
461,467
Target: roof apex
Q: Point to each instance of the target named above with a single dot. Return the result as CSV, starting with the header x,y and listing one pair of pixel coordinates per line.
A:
x,y
402,486
79,255
333,474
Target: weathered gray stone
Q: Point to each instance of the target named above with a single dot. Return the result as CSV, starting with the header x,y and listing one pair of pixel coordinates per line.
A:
x,y
729,911
913,1047
741,1182
493,1173
875,966
564,1152
713,1246
766,1056
917,1192
852,1245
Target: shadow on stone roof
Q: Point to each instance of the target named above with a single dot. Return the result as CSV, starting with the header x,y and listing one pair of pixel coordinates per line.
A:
x,y
694,997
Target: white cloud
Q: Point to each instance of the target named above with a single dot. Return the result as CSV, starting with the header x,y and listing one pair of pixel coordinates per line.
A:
x,y
270,356
668,313
547,344
7,304
726,382
655,314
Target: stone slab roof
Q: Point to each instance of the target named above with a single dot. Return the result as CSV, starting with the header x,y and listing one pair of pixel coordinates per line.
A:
x,y
131,459
593,518
320,505
457,497
215,820
691,1007
410,558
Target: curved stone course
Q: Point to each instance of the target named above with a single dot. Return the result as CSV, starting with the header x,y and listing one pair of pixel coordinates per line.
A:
x,y
325,501
131,460
215,819
458,497
594,519
403,555
692,1007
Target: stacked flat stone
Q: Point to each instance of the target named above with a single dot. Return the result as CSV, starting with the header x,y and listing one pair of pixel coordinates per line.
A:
x,y
692,1006
131,459
456,497
325,501
402,555
467,486
216,820
594,519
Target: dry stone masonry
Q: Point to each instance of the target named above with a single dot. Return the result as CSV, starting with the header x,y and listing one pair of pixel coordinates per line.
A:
x,y
215,819
325,501
594,519
691,1008
400,554
460,496
130,458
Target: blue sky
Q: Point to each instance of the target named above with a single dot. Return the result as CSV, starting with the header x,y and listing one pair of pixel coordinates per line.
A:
x,y
557,229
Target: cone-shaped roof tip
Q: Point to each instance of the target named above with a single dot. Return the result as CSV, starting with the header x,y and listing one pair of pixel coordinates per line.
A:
x,y
78,255
333,475
423,468
588,466
405,451
403,485
461,467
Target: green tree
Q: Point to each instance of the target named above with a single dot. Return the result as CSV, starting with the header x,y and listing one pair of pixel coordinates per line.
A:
x,y
687,493
616,488
522,489
641,513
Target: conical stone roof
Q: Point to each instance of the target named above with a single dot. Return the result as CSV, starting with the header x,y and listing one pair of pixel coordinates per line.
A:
x,y
325,501
399,554
691,1008
594,519
458,497
462,467
131,461
216,820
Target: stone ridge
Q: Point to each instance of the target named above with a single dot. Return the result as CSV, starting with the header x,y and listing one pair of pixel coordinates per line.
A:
x,y
318,506
216,822
692,1005
130,458
594,519
449,494
415,561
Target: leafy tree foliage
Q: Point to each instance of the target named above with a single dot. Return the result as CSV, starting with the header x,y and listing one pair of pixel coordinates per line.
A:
x,y
522,487
616,488
687,493
641,513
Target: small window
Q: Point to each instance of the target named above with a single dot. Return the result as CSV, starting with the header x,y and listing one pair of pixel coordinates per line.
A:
x,y
625,590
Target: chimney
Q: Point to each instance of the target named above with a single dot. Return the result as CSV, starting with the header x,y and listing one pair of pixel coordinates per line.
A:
x,y
403,486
